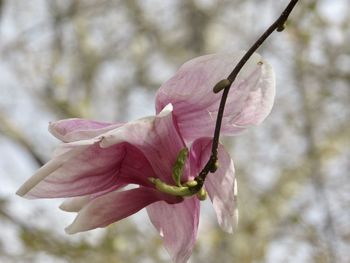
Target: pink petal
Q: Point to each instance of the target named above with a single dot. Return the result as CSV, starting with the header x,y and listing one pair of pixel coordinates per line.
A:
x,y
75,204
177,224
83,167
156,137
195,105
70,130
63,155
221,186
114,206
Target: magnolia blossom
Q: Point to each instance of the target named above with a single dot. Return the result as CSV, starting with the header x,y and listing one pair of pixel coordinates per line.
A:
x,y
97,160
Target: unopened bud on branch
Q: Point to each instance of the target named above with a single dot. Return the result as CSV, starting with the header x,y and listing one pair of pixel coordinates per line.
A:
x,y
222,84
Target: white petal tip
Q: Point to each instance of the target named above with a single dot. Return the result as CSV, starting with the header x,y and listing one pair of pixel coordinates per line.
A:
x,y
227,228
229,231
21,191
236,218
70,230
74,204
63,207
166,110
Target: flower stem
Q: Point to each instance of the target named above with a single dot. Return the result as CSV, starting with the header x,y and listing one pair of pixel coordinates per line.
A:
x,y
278,25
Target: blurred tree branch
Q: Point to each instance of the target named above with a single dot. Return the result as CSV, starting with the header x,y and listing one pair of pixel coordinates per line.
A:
x,y
10,130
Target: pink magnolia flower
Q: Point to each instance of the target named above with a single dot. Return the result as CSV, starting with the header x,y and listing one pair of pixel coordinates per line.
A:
x,y
98,159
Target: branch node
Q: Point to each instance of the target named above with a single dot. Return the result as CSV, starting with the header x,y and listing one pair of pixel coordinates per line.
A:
x,y
281,27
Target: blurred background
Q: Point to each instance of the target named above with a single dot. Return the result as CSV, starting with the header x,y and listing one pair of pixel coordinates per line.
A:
x,y
106,59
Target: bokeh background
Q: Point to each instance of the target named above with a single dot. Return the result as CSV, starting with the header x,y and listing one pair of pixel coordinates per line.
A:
x,y
105,60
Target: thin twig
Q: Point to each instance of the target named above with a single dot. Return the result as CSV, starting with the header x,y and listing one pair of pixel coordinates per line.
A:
x,y
278,25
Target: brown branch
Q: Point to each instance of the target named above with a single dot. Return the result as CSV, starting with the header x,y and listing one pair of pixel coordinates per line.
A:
x,y
278,25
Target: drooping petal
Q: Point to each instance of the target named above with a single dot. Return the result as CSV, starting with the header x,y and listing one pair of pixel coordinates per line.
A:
x,y
70,130
178,225
114,206
220,185
75,204
156,137
83,167
195,105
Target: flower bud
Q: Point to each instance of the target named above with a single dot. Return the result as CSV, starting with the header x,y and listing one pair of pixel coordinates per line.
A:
x,y
222,84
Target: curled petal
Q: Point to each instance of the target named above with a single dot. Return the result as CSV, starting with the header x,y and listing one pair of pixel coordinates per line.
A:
x,y
195,105
221,185
70,130
114,206
177,225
